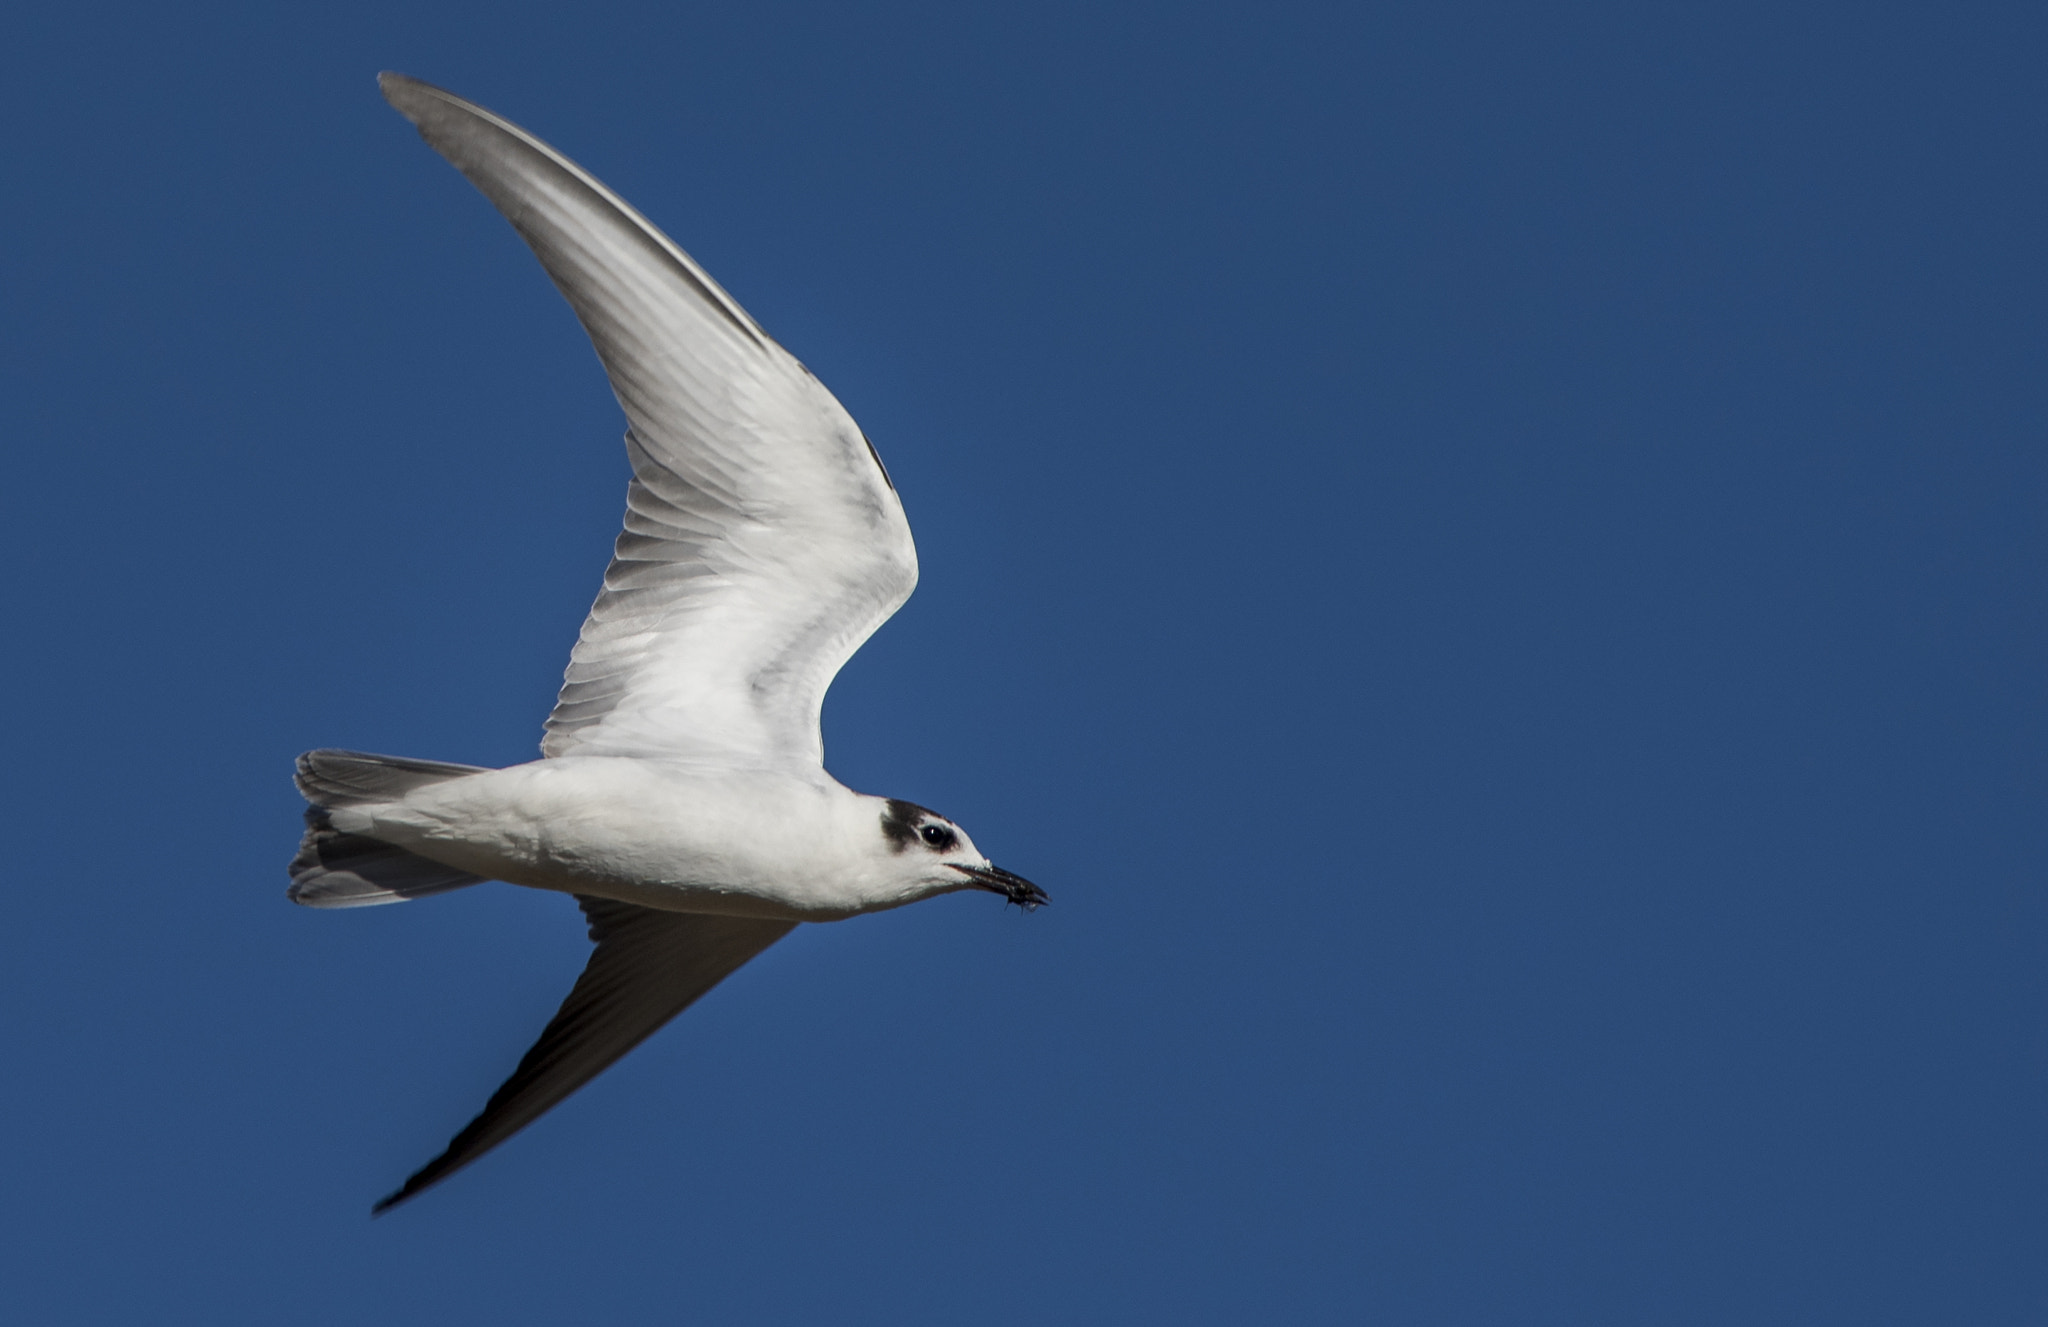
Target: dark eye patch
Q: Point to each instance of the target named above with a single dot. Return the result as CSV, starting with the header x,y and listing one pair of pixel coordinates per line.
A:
x,y
938,837
900,820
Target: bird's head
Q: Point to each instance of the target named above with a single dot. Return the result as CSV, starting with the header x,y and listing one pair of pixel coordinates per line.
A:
x,y
939,856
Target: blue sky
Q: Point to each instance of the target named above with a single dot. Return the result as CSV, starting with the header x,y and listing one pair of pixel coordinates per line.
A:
x,y
1489,557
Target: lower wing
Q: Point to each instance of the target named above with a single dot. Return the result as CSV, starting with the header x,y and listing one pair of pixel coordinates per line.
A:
x,y
648,967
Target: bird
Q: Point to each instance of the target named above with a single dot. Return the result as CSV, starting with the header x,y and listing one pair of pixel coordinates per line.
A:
x,y
681,795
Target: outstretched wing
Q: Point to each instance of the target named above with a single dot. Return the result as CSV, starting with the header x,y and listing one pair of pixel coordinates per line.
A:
x,y
648,967
763,540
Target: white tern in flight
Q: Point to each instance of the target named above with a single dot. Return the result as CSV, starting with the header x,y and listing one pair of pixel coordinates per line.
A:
x,y
682,795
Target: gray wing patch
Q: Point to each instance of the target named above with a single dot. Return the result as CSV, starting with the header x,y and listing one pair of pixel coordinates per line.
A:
x,y
648,967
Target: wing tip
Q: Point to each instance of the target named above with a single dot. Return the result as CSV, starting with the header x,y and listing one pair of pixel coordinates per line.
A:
x,y
417,1183
405,92
418,100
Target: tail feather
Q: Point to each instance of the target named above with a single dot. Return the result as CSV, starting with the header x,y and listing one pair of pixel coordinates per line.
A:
x,y
338,869
334,778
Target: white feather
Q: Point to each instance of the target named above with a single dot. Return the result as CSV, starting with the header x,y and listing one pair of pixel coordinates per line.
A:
x,y
763,542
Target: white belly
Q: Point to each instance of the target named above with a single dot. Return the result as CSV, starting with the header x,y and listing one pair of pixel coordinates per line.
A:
x,y
665,835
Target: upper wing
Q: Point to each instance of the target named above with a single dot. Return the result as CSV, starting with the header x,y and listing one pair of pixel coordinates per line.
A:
x,y
647,968
763,540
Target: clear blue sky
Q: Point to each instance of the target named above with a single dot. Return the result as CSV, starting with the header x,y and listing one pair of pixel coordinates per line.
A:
x,y
1490,557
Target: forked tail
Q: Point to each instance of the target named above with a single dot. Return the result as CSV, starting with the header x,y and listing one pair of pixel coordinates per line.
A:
x,y
336,869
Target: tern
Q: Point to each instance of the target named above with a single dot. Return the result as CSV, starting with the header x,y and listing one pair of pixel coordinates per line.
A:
x,y
681,796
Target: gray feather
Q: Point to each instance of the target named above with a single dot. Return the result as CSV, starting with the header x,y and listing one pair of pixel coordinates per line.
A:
x,y
339,870
648,967
334,778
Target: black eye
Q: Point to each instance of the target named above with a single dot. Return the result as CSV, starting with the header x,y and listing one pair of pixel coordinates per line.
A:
x,y
937,836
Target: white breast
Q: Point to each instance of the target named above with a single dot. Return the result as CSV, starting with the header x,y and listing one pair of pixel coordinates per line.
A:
x,y
663,834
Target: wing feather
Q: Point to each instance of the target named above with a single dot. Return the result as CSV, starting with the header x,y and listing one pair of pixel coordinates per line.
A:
x,y
763,540
648,967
